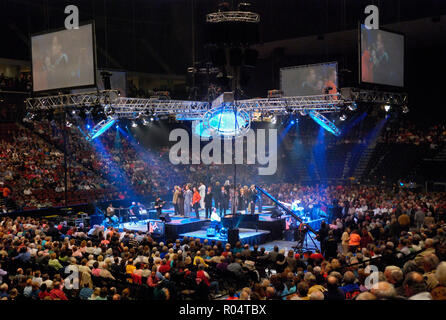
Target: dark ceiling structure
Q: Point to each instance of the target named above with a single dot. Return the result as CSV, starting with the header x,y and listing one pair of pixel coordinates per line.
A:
x,y
167,36
162,36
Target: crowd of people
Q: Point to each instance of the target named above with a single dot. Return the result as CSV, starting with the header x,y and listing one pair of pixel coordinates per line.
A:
x,y
33,172
399,234
138,172
408,133
21,83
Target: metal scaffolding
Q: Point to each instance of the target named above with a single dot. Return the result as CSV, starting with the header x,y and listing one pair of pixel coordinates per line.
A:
x,y
187,110
233,16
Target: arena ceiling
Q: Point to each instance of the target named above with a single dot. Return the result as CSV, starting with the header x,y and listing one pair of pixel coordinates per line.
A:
x,y
159,36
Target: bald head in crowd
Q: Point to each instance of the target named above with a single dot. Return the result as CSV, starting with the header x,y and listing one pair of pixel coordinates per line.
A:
x,y
414,284
332,281
383,290
317,295
393,274
365,296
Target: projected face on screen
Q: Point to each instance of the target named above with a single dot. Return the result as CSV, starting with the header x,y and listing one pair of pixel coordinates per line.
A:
x,y
63,59
156,227
382,57
309,80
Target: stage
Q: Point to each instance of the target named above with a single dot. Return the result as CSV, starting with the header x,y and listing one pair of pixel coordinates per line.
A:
x,y
172,229
264,228
246,236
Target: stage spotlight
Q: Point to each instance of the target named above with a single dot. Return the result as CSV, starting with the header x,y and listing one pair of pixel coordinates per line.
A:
x,y
109,111
134,125
274,120
343,117
387,107
352,107
151,119
405,109
69,124
117,126
145,122
292,122
88,126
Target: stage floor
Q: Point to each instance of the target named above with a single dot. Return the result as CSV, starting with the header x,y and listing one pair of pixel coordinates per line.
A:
x,y
176,221
246,236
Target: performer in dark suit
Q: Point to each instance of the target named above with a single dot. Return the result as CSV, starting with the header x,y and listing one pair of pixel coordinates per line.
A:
x,y
224,201
208,202
217,195
252,198
159,204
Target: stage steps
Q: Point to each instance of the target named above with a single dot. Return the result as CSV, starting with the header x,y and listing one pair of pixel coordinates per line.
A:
x,y
364,161
346,169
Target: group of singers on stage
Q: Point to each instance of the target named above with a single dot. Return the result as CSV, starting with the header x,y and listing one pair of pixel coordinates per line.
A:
x,y
192,198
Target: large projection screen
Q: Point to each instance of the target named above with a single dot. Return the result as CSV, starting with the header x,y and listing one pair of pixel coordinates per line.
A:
x,y
381,57
64,59
308,80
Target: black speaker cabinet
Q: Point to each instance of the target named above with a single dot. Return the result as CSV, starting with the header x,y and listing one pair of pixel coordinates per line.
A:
x,y
233,236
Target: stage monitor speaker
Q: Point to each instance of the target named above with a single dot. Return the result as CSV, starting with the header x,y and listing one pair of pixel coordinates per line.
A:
x,y
210,232
233,236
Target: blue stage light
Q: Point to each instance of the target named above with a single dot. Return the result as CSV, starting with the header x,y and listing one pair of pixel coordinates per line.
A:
x,y
324,122
88,126
100,128
293,122
227,122
200,131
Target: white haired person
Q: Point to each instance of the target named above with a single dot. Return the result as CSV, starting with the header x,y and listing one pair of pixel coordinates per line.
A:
x,y
439,292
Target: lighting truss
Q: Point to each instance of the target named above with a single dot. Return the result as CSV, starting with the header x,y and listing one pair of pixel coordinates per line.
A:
x,y
72,100
363,95
188,110
182,109
100,128
280,106
233,16
325,123
132,108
